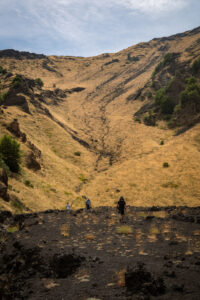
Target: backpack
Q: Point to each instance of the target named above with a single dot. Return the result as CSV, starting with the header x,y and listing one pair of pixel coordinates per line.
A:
x,y
88,202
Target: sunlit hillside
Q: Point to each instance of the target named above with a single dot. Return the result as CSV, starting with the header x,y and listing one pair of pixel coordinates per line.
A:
x,y
88,121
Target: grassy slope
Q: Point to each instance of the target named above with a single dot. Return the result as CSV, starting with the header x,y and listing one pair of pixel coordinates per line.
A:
x,y
102,116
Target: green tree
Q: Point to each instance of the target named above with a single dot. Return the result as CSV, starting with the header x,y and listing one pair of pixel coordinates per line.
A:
x,y
10,153
191,94
39,82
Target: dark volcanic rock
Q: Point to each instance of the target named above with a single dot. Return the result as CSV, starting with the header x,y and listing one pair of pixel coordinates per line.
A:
x,y
140,280
32,162
65,265
80,255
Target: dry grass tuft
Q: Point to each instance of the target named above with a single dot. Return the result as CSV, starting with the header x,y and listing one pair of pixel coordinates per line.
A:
x,y
121,278
64,229
13,229
89,236
124,229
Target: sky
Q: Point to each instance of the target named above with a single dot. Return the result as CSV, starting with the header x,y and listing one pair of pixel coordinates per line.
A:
x,y
91,27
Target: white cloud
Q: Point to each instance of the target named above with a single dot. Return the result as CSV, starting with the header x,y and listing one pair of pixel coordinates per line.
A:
x,y
153,6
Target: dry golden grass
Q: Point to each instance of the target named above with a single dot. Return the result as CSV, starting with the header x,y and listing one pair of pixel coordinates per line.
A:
x,y
124,229
104,119
64,229
12,229
121,277
89,237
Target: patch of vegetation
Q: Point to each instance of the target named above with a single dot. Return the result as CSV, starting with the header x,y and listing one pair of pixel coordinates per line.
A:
x,y
134,58
149,95
77,153
137,119
164,102
111,62
2,70
83,178
17,205
28,183
165,165
170,185
149,119
17,81
196,66
191,94
2,97
161,142
10,153
12,229
168,58
39,82
124,229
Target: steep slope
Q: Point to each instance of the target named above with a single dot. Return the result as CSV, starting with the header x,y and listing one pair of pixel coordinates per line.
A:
x,y
115,153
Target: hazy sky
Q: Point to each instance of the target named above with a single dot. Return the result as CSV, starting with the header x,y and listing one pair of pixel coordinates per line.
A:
x,y
91,27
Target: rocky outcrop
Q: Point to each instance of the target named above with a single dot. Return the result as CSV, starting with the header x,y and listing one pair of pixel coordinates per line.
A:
x,y
4,184
14,128
17,99
10,53
32,162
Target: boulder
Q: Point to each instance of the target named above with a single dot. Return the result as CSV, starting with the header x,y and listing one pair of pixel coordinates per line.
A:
x,y
3,176
14,128
3,191
32,162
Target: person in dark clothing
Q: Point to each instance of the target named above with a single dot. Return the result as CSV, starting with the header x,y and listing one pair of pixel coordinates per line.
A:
x,y
121,206
88,204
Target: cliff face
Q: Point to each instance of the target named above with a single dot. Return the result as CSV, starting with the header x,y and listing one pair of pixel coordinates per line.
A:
x,y
105,125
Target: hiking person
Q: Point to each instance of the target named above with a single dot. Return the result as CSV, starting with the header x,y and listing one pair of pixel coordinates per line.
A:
x,y
121,206
67,206
88,204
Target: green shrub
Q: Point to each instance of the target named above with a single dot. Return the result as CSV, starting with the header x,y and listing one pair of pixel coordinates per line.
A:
x,y
10,153
39,82
2,97
162,142
165,165
191,94
77,153
196,66
2,70
124,229
149,94
82,178
149,119
17,81
28,183
167,106
164,102
168,58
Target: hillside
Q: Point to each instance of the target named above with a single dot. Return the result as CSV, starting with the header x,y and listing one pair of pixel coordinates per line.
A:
x,y
101,127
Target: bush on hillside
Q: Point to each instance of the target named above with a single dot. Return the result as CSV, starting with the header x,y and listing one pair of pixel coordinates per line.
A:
x,y
2,97
164,102
168,58
2,70
191,94
10,153
196,66
17,81
39,82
